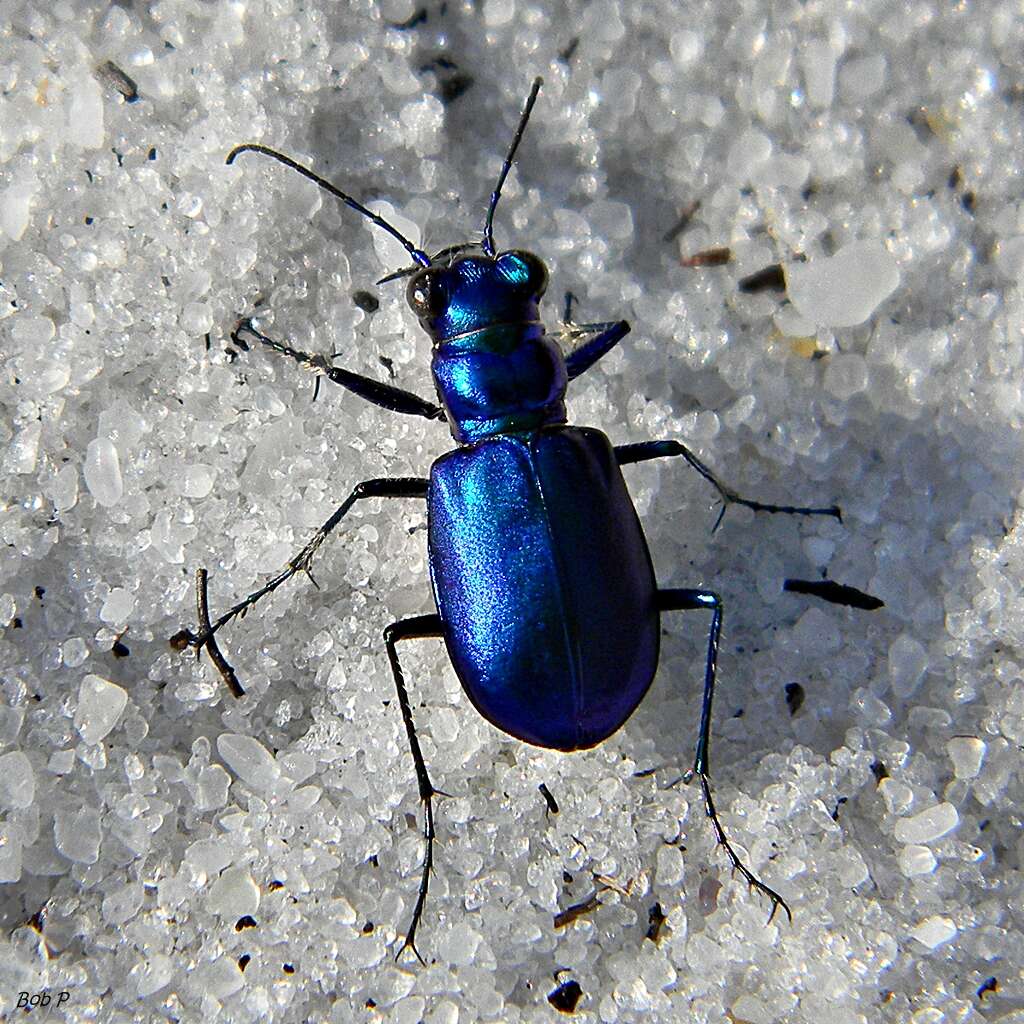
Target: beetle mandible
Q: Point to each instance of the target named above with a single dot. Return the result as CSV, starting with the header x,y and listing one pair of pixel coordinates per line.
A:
x,y
545,590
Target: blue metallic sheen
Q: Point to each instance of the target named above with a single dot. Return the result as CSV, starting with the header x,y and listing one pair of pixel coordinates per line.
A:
x,y
493,368
544,584
541,573
476,292
500,379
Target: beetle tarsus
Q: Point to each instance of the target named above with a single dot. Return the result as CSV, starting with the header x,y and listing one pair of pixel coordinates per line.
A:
x,y
421,895
752,880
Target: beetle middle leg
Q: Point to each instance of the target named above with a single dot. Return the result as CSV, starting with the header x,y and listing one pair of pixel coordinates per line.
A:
x,y
692,600
385,487
418,628
647,450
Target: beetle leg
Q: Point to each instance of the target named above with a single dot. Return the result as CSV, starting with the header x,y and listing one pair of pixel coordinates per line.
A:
x,y
647,450
420,627
690,600
394,487
608,335
387,396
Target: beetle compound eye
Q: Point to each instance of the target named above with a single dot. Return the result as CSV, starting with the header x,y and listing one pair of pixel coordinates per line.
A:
x,y
524,270
426,295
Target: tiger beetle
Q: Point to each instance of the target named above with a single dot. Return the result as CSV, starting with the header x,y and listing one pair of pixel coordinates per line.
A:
x,y
545,591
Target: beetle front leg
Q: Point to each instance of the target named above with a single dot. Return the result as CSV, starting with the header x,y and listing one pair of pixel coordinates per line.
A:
x,y
385,395
394,487
420,627
607,335
626,454
691,600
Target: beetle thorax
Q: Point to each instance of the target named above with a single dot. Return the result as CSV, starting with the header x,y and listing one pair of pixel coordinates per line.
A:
x,y
494,368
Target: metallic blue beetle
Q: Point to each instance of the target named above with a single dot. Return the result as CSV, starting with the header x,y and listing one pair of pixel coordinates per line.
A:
x,y
545,591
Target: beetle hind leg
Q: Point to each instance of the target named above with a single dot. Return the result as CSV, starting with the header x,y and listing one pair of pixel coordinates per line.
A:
x,y
385,487
693,600
418,628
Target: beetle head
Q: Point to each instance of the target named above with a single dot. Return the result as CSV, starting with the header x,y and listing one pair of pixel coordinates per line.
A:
x,y
472,293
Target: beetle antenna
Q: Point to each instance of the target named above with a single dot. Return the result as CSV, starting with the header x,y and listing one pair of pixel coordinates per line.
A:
x,y
251,147
488,242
